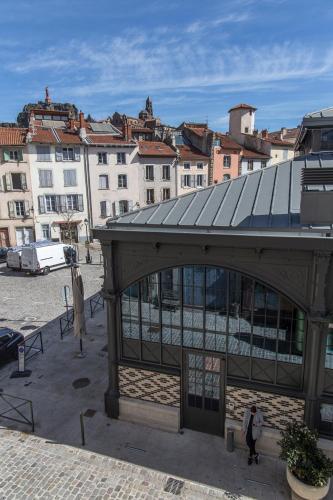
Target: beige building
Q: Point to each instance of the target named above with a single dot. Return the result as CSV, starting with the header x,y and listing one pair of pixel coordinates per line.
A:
x,y
242,129
16,210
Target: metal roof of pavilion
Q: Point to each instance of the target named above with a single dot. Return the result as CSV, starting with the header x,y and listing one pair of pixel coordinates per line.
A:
x,y
264,199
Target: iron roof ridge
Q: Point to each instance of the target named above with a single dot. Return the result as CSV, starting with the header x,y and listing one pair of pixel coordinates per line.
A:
x,y
308,115
226,230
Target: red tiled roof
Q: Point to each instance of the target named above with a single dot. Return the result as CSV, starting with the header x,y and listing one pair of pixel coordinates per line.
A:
x,y
108,139
154,148
43,135
50,136
227,142
278,142
188,152
145,130
291,133
200,131
68,137
242,106
248,153
12,136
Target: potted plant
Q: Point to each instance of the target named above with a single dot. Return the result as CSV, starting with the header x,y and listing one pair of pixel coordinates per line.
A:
x,y
308,468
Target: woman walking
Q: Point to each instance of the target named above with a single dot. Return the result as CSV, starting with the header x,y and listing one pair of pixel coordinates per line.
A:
x,y
252,426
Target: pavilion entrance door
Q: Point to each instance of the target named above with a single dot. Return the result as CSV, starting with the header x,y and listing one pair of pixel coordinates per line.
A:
x,y
203,405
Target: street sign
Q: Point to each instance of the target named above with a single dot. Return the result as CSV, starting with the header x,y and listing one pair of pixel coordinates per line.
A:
x,y
66,294
21,357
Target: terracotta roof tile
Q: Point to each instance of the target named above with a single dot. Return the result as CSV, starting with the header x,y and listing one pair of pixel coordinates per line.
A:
x,y
227,142
12,136
43,135
248,153
189,152
108,139
154,148
68,137
242,106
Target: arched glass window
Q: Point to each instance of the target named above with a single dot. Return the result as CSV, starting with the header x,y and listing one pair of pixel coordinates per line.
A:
x,y
213,309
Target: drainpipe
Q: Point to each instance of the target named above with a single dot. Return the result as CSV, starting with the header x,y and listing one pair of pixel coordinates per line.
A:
x,y
88,186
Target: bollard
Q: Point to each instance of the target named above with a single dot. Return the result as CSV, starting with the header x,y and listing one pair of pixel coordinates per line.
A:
x,y
82,429
230,439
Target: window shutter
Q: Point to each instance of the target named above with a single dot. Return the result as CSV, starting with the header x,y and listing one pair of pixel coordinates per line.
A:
x,y
11,209
26,207
130,205
204,180
108,209
6,156
103,208
182,181
77,153
61,203
192,181
80,202
9,185
58,154
41,204
20,155
116,206
24,181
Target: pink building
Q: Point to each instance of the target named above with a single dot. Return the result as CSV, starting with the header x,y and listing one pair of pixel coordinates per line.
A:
x,y
226,158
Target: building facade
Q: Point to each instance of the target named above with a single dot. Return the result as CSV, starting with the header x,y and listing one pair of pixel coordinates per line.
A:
x,y
220,299
57,168
226,158
242,130
156,172
16,207
112,175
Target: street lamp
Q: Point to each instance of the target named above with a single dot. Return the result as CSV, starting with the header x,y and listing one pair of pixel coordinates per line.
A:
x,y
88,256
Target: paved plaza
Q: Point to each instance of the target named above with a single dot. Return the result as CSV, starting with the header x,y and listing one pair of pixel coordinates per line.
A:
x,y
119,459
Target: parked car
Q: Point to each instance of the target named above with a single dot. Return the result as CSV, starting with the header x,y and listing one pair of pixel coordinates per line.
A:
x,y
9,340
43,257
3,253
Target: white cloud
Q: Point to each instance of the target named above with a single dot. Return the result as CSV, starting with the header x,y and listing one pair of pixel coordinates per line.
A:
x,y
198,26
135,64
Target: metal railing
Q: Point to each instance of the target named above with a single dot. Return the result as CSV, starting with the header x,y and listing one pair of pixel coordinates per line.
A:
x,y
14,404
66,322
32,345
96,304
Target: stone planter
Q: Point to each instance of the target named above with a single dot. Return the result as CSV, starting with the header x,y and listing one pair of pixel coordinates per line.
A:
x,y
302,491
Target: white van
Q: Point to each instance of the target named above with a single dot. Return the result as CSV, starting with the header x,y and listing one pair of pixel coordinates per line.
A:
x,y
13,259
45,256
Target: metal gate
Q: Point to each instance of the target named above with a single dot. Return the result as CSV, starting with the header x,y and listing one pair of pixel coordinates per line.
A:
x,y
203,404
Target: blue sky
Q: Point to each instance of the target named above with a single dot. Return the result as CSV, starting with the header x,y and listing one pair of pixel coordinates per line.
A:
x,y
195,59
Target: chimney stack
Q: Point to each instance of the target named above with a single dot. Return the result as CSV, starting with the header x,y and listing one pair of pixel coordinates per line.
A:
x,y
283,132
127,131
264,133
83,133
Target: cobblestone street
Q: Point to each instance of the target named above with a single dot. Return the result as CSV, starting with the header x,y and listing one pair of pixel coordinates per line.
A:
x,y
36,300
32,468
